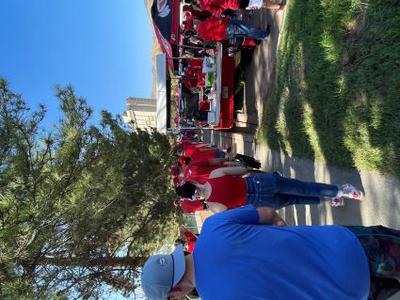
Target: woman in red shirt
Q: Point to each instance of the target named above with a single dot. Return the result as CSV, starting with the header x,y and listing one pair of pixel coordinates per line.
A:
x,y
218,29
217,7
227,189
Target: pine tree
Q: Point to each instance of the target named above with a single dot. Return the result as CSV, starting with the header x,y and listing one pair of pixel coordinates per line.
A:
x,y
81,205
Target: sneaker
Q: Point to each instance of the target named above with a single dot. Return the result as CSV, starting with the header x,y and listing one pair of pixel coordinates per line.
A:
x,y
337,202
350,191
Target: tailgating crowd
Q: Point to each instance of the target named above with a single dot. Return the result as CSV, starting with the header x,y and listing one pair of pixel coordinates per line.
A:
x,y
204,23
246,250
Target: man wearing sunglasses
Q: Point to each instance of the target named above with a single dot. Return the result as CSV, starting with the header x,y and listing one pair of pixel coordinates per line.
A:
x,y
237,257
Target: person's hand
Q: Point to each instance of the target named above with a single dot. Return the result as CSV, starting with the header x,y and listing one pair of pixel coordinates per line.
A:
x,y
280,223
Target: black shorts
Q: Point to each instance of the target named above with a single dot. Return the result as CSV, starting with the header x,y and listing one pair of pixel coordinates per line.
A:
x,y
244,4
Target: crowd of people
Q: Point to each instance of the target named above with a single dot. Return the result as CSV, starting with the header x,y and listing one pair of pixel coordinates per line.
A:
x,y
205,22
237,257
246,250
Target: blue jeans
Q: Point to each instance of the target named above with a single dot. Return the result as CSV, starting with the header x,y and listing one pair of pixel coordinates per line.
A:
x,y
275,191
220,154
238,28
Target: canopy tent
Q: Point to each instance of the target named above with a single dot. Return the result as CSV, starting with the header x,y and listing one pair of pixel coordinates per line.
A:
x,y
165,16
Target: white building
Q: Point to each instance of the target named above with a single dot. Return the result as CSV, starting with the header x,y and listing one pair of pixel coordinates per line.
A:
x,y
141,112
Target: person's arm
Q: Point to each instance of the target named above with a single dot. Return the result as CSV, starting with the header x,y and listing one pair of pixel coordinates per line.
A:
x,y
216,207
269,216
216,161
234,171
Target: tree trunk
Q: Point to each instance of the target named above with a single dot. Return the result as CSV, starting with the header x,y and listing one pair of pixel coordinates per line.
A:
x,y
125,261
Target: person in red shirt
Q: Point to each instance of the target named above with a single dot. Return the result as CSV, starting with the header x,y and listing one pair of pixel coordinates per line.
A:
x,y
197,13
192,81
218,29
217,7
207,154
188,237
199,170
187,148
189,21
198,151
175,172
189,206
193,76
204,105
227,189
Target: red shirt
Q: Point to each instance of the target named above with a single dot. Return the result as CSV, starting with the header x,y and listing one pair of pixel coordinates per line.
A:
x,y
213,29
217,7
195,64
228,190
199,170
189,21
204,155
189,148
191,240
201,15
194,77
189,206
204,105
191,82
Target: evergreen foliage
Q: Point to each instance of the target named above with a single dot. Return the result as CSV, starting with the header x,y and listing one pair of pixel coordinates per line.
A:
x,y
81,206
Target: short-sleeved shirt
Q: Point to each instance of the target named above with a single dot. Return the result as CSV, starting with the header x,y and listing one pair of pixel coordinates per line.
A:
x,y
217,7
190,206
191,240
189,147
204,154
228,190
236,259
199,170
213,29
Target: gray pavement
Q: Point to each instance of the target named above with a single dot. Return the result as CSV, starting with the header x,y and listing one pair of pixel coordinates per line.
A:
x,y
380,204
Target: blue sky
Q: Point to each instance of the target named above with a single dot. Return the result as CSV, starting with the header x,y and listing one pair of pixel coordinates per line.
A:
x,y
101,47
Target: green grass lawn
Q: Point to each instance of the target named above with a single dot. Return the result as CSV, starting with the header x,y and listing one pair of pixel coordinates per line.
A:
x,y
337,93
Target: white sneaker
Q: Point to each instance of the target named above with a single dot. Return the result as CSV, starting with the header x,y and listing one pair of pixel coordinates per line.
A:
x,y
337,202
349,191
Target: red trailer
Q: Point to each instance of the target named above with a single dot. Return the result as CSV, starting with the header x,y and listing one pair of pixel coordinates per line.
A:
x,y
166,18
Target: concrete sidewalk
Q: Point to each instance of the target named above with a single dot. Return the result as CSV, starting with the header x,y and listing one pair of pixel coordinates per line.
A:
x,y
380,204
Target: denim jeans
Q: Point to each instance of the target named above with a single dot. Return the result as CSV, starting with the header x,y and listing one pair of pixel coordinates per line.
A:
x,y
275,191
238,28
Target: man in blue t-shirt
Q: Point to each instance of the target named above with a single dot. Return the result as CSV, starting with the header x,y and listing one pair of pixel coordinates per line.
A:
x,y
237,259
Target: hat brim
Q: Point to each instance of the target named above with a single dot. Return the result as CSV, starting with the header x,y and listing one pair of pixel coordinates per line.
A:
x,y
179,264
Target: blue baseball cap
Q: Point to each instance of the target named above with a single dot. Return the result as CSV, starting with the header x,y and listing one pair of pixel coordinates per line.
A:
x,y
161,273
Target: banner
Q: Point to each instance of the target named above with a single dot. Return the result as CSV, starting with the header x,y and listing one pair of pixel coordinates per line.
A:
x,y
165,17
